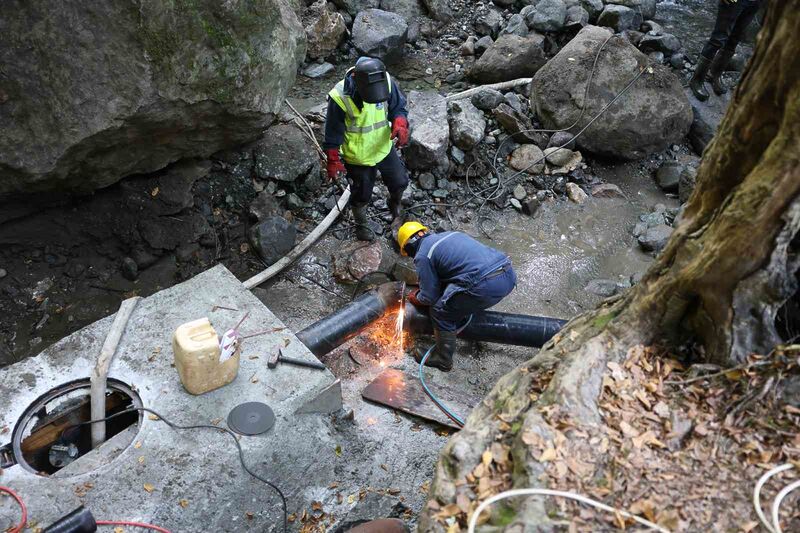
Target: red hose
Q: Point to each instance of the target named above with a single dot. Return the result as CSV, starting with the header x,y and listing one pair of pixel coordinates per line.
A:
x,y
132,524
24,520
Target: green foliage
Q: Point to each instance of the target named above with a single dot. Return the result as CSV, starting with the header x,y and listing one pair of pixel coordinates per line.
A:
x,y
504,515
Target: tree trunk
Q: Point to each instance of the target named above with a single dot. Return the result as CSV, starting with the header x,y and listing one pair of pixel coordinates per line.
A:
x,y
726,271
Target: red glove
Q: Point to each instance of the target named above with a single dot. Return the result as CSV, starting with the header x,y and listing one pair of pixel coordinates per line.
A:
x,y
400,131
335,165
412,297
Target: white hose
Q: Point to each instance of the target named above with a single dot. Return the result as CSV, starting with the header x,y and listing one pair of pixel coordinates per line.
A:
x,y
473,521
774,526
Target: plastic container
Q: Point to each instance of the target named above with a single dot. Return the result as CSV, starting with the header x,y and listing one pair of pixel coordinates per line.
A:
x,y
197,353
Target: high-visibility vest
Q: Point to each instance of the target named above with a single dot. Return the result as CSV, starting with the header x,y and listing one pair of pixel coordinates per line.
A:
x,y
367,137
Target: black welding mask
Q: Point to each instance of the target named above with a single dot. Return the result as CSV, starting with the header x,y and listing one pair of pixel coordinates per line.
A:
x,y
372,83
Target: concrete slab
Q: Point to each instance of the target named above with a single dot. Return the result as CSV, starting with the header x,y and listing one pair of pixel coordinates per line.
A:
x,y
198,483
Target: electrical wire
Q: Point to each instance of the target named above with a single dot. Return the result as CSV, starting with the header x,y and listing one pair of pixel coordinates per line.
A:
x,y
473,521
201,426
454,417
23,521
132,524
774,526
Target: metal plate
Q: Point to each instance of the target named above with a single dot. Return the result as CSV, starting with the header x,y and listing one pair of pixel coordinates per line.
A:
x,y
251,418
404,392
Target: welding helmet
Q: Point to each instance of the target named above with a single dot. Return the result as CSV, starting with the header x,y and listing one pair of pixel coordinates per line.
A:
x,y
408,234
372,82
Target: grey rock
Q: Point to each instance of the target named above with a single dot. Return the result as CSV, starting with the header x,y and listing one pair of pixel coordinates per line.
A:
x,y
577,18
655,238
558,156
284,154
619,18
3,273
656,113
380,34
468,48
652,27
427,150
686,183
318,70
457,154
607,190
439,9
427,181
510,57
520,193
514,102
467,124
531,206
325,31
353,7
129,269
98,82
666,43
489,24
575,193
264,206
294,202
593,7
408,9
518,125
515,204
602,287
648,9
516,26
273,238
503,3
487,99
634,37
706,119
440,193
668,175
483,44
549,16
562,138
656,57
677,60
633,4
529,158
354,261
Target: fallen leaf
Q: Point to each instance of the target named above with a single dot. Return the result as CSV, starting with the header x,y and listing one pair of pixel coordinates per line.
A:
x,y
138,445
486,458
183,503
141,460
338,451
244,247
249,515
149,487
154,192
548,455
316,506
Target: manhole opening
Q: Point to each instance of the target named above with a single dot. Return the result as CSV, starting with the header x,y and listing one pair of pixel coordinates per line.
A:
x,y
50,436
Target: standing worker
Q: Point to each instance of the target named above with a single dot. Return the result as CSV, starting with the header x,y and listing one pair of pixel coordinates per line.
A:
x,y
733,18
366,111
457,277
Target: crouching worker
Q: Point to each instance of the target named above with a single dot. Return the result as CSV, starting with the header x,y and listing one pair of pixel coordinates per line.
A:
x,y
366,111
457,277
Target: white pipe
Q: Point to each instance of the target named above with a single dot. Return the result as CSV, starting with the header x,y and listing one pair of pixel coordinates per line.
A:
x,y
776,505
97,391
757,494
496,86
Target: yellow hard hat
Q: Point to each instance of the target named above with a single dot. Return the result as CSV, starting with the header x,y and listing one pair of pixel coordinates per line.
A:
x,y
406,231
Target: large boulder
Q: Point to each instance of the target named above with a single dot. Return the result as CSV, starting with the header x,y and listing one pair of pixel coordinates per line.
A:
x,y
380,34
325,30
653,114
549,15
427,149
285,154
92,92
620,18
510,57
439,9
467,124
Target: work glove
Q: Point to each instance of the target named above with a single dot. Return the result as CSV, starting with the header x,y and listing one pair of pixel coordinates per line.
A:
x,y
335,166
413,298
400,131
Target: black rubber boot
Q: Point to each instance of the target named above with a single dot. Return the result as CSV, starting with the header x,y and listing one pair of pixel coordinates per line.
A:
x,y
363,231
718,66
396,210
698,82
442,356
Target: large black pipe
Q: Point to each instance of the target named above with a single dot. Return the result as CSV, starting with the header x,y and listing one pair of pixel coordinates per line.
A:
x,y
325,335
492,326
489,326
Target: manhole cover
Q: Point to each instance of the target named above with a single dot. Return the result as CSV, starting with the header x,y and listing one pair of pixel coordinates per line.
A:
x,y
251,418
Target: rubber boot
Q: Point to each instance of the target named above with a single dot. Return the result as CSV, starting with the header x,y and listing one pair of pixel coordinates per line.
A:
x,y
442,356
363,231
718,66
385,525
698,82
396,210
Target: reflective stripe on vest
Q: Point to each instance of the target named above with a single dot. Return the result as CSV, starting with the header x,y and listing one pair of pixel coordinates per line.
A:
x,y
367,139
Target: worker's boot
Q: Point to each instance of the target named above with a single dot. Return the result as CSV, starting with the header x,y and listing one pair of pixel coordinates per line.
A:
x,y
385,525
363,231
396,210
442,355
718,66
698,82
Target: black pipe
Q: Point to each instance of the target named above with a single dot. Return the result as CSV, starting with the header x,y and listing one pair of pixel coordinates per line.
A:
x,y
492,326
325,335
78,521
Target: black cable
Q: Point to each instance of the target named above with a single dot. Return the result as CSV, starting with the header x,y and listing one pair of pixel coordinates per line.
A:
x,y
199,426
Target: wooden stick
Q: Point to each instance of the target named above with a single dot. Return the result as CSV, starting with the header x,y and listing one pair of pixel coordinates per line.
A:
x,y
100,371
497,86
301,248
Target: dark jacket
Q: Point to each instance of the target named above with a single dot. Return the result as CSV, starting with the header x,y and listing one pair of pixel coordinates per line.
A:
x,y
334,120
456,258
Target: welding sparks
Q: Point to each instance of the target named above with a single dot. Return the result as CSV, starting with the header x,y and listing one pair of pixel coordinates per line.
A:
x,y
398,327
